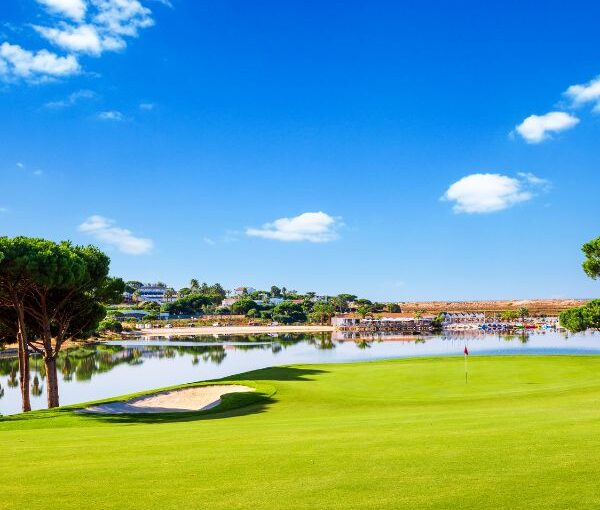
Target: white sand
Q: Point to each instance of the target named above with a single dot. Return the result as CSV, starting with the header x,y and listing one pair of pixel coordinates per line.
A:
x,y
198,398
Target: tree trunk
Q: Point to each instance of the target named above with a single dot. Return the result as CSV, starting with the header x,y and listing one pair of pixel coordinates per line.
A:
x,y
24,375
23,351
51,381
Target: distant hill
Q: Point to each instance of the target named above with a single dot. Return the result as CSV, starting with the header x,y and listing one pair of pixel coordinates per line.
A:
x,y
535,306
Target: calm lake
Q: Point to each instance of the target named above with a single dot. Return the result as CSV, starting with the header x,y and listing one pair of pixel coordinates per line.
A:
x,y
115,368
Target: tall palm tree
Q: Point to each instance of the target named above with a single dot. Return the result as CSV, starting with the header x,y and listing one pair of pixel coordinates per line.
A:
x,y
194,284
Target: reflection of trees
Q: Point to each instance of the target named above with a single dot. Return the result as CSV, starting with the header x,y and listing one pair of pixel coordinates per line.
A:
x,y
323,342
12,381
215,355
362,343
1,391
37,388
67,368
82,363
522,337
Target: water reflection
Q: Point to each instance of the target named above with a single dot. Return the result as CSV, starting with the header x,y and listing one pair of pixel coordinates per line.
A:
x,y
92,372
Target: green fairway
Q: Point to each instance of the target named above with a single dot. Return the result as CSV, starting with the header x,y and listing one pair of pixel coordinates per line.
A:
x,y
523,433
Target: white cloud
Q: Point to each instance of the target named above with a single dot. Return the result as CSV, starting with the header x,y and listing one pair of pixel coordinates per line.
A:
x,y
77,39
74,9
106,30
20,165
105,230
487,193
37,173
147,106
3,210
111,115
87,27
314,227
534,180
122,17
71,99
165,2
16,62
587,93
210,241
537,128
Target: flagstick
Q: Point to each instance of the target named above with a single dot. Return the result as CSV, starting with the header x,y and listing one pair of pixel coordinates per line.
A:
x,y
466,370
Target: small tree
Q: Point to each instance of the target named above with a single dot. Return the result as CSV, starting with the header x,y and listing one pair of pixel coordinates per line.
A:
x,y
288,312
243,306
523,313
588,315
363,310
322,312
591,264
582,318
509,315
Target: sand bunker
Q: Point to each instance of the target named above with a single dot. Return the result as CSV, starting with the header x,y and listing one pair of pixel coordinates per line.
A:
x,y
198,398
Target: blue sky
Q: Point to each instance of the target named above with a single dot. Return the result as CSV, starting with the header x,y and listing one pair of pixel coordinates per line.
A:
x,y
432,150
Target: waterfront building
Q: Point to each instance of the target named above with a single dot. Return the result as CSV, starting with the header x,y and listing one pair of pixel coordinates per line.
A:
x,y
154,294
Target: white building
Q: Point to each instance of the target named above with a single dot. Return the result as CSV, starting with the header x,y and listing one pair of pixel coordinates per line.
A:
x,y
153,294
240,291
227,302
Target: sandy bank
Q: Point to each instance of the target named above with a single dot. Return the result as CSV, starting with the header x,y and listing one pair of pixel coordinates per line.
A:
x,y
199,398
233,330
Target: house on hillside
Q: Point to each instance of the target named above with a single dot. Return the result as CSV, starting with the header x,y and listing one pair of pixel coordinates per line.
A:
x,y
155,294
240,291
227,302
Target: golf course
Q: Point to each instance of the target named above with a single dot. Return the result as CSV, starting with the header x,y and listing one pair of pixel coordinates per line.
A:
x,y
524,432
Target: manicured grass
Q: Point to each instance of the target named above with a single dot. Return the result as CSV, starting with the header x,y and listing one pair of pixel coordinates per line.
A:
x,y
524,433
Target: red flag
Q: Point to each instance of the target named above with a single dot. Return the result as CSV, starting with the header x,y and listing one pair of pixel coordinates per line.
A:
x,y
466,351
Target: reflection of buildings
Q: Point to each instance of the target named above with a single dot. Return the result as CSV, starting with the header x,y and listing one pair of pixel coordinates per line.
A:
x,y
383,325
341,336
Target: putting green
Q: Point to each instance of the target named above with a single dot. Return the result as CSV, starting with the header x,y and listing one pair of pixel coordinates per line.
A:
x,y
523,433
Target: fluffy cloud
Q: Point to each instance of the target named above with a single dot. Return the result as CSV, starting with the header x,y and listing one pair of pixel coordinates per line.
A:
x,y
74,9
314,227
79,39
106,231
111,115
89,27
537,128
37,66
586,93
487,193
122,17
110,23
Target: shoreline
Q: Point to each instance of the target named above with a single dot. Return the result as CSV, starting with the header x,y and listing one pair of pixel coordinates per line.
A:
x,y
232,330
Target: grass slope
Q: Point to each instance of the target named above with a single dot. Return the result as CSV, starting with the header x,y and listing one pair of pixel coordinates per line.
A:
x,y
524,433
